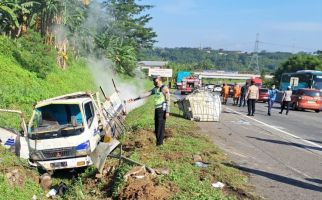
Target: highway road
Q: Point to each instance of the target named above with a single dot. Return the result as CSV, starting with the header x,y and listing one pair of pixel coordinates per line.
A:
x,y
281,153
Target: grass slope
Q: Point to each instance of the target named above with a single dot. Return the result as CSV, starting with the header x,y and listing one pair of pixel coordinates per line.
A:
x,y
20,88
177,155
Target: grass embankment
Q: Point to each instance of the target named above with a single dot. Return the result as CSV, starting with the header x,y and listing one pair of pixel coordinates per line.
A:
x,y
16,180
28,73
182,144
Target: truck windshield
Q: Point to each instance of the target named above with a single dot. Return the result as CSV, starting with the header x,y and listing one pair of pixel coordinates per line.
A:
x,y
56,120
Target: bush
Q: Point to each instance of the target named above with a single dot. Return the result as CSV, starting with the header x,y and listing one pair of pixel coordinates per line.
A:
x,y
20,86
35,56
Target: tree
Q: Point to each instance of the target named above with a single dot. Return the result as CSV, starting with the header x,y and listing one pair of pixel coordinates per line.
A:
x,y
130,24
14,15
298,62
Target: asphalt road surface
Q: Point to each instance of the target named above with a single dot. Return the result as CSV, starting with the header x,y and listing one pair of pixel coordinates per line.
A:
x,y
281,153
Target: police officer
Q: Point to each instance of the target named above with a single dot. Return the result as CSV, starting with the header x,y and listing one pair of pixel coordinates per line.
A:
x,y
161,96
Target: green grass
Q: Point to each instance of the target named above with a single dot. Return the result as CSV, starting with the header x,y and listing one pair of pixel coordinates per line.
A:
x,y
20,88
29,187
193,182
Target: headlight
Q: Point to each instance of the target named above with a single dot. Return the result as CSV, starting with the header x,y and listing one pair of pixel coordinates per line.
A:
x,y
83,149
35,156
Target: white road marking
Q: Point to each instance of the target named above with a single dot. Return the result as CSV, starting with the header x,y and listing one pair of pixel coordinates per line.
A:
x,y
275,128
241,122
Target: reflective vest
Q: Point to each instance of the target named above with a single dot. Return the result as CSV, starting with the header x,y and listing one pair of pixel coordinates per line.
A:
x,y
159,98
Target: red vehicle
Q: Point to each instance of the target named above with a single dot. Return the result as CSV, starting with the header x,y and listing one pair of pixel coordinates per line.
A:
x,y
189,84
258,81
263,95
306,98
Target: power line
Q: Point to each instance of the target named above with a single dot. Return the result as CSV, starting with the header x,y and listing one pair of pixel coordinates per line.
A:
x,y
254,59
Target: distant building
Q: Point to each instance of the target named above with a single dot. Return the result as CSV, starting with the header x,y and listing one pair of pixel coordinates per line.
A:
x,y
152,64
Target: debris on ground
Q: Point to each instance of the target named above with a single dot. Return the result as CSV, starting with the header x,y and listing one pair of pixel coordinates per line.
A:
x,y
51,193
62,189
162,171
146,188
135,171
218,185
45,181
201,164
141,184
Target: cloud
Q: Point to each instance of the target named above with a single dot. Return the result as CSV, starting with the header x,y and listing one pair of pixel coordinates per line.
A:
x,y
179,7
298,26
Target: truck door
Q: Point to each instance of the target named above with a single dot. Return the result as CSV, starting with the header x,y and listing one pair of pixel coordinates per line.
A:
x,y
92,125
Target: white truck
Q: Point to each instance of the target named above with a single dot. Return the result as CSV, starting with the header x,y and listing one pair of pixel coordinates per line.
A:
x,y
69,131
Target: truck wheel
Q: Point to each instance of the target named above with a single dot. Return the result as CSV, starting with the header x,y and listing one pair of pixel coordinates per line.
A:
x,y
317,111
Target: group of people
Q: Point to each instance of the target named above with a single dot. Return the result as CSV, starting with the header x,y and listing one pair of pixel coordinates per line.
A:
x,y
250,94
241,95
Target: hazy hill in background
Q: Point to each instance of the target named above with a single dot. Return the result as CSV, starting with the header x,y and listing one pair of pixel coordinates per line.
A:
x,y
209,59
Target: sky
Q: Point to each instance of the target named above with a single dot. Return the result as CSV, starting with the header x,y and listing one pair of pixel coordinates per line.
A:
x,y
282,25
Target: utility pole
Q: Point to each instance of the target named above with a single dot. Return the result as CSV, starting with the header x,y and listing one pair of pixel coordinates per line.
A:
x,y
253,65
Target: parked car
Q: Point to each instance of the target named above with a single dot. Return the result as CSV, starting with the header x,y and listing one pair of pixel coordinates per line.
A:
x,y
263,95
209,87
306,98
218,88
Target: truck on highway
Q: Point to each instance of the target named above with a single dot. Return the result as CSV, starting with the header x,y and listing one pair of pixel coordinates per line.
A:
x,y
66,131
258,81
189,84
180,76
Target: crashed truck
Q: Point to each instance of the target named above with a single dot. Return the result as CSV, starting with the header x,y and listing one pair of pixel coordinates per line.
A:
x,y
70,131
201,105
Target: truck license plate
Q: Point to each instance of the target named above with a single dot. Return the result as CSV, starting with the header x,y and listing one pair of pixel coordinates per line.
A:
x,y
310,102
58,164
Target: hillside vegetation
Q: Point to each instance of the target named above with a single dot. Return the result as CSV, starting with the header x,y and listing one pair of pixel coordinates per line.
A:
x,y
25,79
208,59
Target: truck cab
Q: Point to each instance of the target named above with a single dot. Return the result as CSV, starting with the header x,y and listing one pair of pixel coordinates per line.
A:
x,y
65,131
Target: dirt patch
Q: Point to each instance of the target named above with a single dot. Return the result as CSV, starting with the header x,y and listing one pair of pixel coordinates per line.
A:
x,y
144,184
146,188
15,176
168,133
172,156
240,193
141,139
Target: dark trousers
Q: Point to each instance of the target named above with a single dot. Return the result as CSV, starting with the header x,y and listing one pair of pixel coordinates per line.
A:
x,y
242,100
287,104
251,106
159,125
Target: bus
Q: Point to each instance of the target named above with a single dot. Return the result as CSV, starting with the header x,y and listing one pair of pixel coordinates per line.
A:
x,y
302,79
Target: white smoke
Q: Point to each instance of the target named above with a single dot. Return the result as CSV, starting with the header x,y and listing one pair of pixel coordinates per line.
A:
x,y
102,69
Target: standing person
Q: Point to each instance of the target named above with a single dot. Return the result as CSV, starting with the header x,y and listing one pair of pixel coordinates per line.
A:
x,y
251,96
236,93
243,92
286,100
225,91
271,98
162,107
